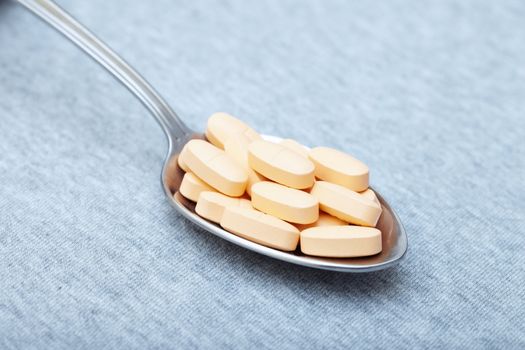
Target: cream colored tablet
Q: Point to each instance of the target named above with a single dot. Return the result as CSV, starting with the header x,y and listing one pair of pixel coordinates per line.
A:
x,y
324,220
237,148
260,228
370,195
214,167
341,241
180,160
295,146
339,168
346,204
280,164
191,187
210,205
285,203
222,125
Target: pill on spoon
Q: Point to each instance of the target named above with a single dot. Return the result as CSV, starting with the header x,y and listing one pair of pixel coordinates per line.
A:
x,y
260,228
324,220
285,203
211,205
341,241
346,204
191,187
237,148
295,146
222,126
215,168
280,164
339,168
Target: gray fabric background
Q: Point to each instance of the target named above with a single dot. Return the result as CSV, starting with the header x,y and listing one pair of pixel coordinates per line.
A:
x,y
431,94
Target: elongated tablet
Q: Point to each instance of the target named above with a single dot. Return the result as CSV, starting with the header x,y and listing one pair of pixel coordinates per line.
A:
x,y
237,148
285,203
215,168
181,161
191,187
295,146
370,195
211,205
324,220
260,228
222,126
339,168
346,204
280,164
341,241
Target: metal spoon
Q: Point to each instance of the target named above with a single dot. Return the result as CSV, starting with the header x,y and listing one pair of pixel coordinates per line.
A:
x,y
177,133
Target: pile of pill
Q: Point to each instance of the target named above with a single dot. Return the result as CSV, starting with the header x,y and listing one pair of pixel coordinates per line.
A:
x,y
281,195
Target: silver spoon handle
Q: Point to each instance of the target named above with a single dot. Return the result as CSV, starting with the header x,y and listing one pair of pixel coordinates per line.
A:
x,y
81,36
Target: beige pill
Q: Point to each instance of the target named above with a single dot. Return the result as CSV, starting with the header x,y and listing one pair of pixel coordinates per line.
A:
x,y
280,164
285,203
260,228
341,241
215,168
237,148
370,195
339,168
180,160
191,187
295,146
222,126
324,220
346,204
210,205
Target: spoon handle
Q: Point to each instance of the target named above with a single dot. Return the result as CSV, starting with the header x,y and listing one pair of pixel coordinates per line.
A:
x,y
55,16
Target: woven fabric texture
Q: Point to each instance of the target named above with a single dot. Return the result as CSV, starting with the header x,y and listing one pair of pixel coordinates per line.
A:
x,y
430,94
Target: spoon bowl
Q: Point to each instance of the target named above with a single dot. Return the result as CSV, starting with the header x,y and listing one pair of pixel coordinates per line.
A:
x,y
177,134
394,240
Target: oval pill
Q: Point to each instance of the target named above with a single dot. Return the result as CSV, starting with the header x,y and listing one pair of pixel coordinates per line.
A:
x,y
295,146
211,205
260,228
237,148
346,204
285,203
191,187
341,241
324,220
222,125
280,164
339,168
215,168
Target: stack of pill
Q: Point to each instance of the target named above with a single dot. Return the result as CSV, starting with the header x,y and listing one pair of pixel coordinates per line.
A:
x,y
281,195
